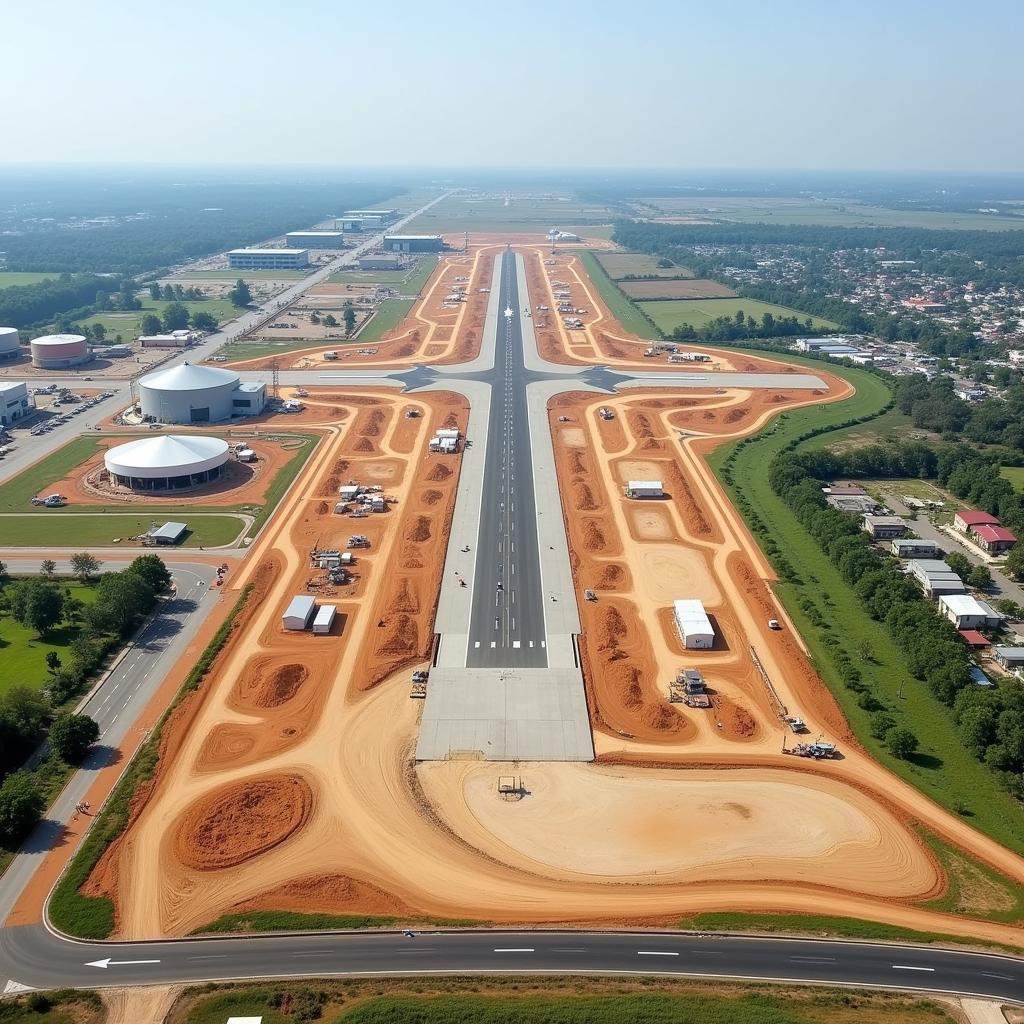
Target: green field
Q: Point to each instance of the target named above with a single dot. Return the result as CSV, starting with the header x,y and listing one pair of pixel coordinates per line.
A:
x,y
942,768
619,265
830,213
1015,474
237,351
128,325
406,282
14,278
621,308
527,213
233,275
23,654
390,313
64,1006
43,529
673,313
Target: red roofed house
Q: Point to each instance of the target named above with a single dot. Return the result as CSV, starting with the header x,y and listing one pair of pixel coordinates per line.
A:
x,y
973,638
994,539
966,520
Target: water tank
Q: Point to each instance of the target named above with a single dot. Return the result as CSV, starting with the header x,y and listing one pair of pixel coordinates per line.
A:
x,y
56,351
10,342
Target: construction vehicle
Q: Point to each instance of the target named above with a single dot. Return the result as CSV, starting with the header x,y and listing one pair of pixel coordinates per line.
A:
x,y
797,725
689,688
605,413
359,540
774,624
819,750
590,595
51,501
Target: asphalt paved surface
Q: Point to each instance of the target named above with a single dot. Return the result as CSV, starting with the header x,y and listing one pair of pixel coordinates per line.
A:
x,y
507,621
31,956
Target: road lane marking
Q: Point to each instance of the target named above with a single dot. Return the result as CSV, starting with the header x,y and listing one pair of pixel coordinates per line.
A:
x,y
1001,977
813,959
907,967
515,950
654,952
211,956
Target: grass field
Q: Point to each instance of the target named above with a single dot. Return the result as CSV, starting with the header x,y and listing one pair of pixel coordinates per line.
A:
x,y
40,529
691,288
890,425
1015,474
227,274
621,308
128,325
23,653
942,768
65,1006
698,312
409,281
236,351
831,213
529,213
552,1000
390,313
14,278
620,264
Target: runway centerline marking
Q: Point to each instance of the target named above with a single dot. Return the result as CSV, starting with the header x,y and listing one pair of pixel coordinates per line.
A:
x,y
655,952
907,967
515,950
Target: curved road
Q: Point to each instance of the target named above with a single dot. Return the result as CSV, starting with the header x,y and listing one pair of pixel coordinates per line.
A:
x,y
32,956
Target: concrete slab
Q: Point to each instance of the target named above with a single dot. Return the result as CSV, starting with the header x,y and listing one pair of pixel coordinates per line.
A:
x,y
512,714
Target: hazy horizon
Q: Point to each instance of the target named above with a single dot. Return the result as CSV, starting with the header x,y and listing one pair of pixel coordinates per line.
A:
x,y
794,87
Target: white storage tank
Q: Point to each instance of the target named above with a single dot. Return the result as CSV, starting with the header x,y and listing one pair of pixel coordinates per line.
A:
x,y
58,351
166,463
188,394
10,342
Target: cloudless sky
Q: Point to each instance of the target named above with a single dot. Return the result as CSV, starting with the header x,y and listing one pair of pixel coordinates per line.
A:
x,y
872,84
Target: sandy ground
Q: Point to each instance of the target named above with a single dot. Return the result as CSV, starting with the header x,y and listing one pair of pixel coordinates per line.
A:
x,y
241,483
288,781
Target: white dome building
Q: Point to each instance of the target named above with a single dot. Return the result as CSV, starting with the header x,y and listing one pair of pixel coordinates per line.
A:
x,y
10,342
166,463
198,394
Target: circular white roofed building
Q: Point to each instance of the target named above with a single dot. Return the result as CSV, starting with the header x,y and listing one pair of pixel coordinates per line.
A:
x,y
10,342
195,394
166,463
59,351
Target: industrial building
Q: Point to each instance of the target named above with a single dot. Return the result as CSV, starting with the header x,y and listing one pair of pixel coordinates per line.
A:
x,y
965,612
644,489
1009,658
10,343
967,519
268,259
693,624
59,351
324,619
166,463
15,402
380,261
915,548
935,577
315,240
348,223
413,243
373,218
181,339
849,498
299,612
198,394
884,527
169,533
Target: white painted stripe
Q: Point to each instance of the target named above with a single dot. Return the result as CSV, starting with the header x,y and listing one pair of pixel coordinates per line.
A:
x,y
516,643
905,967
514,950
654,952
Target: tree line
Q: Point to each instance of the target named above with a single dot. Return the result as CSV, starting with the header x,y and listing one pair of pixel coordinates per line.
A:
x,y
28,304
28,715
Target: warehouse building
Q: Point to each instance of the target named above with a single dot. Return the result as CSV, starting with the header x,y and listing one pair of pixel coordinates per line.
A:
x,y
884,527
315,240
59,351
348,224
413,243
644,489
935,577
380,261
693,624
324,619
299,612
198,394
915,548
268,259
169,533
1009,658
10,343
965,612
166,463
373,218
15,402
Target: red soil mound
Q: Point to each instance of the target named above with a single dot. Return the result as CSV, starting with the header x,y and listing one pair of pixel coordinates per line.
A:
x,y
403,599
593,538
411,557
364,444
418,529
576,462
326,893
431,497
322,508
273,689
584,498
735,415
439,472
240,822
613,577
640,425
401,637
612,629
662,718
371,427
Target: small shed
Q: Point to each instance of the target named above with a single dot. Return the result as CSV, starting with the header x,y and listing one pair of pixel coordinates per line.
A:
x,y
299,612
644,489
695,629
324,618
169,533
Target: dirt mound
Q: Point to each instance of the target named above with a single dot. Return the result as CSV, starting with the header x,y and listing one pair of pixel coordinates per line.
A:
x,y
431,497
576,462
584,498
403,599
662,718
739,723
651,445
418,529
401,637
625,683
451,421
640,425
710,416
439,472
612,629
371,426
693,513
240,822
411,557
275,689
735,415
593,538
320,893
775,399
364,444
406,349
322,508
613,576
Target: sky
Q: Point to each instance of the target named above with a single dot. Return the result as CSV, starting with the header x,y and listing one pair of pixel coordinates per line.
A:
x,y
894,85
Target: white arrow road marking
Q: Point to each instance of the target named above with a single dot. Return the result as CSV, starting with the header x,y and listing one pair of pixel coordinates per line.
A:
x,y
904,967
108,962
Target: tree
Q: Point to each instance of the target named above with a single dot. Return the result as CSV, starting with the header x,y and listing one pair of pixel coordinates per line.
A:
x,y
1015,561
98,331
37,604
960,564
154,290
52,662
21,804
348,314
330,320
175,317
979,577
203,321
48,567
120,597
72,735
85,566
150,324
153,570
901,742
240,295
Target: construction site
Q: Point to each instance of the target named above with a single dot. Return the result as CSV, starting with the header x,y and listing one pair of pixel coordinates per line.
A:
x,y
723,775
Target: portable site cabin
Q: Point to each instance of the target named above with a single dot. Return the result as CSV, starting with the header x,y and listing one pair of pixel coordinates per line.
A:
x,y
644,489
694,626
324,619
299,612
349,492
246,455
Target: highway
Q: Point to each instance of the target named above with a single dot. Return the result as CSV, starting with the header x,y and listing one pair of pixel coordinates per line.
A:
x,y
32,956
507,620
